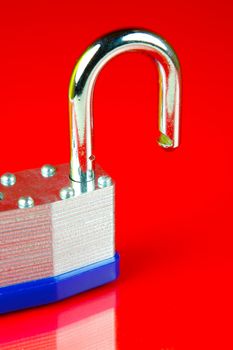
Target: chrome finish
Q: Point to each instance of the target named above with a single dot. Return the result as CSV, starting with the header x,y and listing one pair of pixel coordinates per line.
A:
x,y
67,192
48,170
8,179
54,236
104,181
25,202
82,167
83,187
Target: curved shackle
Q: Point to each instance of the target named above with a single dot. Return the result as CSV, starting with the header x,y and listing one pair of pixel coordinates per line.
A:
x,y
82,163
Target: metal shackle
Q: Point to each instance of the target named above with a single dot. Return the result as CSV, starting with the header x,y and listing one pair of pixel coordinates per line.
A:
x,y
82,162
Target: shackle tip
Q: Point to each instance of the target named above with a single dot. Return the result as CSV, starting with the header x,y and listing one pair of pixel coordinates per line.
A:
x,y
165,141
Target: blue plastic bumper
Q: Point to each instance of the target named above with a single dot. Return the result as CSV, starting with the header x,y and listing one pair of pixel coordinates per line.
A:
x,y
52,289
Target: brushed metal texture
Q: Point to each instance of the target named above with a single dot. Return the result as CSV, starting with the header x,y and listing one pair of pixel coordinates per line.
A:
x,y
55,236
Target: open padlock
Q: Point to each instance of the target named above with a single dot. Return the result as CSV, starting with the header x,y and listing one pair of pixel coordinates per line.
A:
x,y
57,223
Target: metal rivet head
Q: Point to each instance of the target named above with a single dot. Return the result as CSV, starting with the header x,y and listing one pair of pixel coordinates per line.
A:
x,y
67,192
48,170
25,202
104,181
1,196
8,179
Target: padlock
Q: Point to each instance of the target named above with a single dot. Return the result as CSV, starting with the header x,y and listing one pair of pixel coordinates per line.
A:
x,y
57,223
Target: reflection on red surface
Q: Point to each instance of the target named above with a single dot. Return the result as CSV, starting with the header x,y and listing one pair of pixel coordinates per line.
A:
x,y
174,222
87,323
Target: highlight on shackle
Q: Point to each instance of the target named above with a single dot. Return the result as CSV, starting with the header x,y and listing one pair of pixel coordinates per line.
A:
x,y
82,162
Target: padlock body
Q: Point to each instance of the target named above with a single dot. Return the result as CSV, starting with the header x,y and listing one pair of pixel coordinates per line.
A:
x,y
59,247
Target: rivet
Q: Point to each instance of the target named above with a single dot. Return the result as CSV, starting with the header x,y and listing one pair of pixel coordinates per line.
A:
x,y
48,170
25,202
67,192
8,179
104,181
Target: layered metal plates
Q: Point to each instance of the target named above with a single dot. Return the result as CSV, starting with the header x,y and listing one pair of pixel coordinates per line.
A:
x,y
55,235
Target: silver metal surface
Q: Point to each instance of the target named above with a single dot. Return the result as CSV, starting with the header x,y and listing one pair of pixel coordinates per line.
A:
x,y
48,170
66,216
55,236
104,181
82,83
44,190
67,192
25,202
8,179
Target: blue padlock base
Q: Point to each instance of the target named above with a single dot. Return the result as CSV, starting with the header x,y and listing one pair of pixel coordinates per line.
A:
x,y
49,290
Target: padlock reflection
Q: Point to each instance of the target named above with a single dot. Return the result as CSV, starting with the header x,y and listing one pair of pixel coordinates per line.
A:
x,y
87,326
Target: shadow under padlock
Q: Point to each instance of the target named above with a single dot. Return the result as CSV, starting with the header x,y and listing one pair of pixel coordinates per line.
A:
x,y
88,325
57,224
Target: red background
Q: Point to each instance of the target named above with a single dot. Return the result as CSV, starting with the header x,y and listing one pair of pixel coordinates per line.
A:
x,y
173,209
